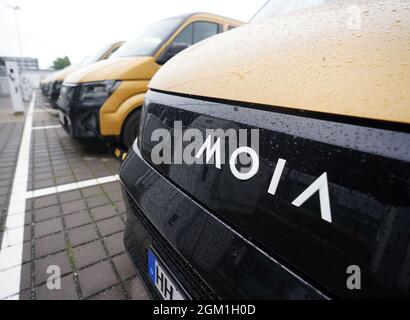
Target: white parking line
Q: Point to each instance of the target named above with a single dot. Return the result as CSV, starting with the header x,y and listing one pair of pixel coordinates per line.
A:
x,y
46,127
10,280
70,186
16,219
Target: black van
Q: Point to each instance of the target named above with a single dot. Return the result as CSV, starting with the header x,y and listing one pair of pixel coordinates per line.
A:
x,y
314,202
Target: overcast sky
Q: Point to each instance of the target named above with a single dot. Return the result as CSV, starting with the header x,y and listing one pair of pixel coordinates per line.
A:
x,y
77,28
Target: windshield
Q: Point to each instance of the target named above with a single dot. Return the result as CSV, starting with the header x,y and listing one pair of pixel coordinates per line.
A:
x,y
96,56
277,7
147,41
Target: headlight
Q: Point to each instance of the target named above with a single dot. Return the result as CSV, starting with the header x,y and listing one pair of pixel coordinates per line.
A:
x,y
97,91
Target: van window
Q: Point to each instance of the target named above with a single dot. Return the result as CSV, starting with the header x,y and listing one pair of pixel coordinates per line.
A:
x,y
95,57
111,52
196,32
149,39
203,30
185,36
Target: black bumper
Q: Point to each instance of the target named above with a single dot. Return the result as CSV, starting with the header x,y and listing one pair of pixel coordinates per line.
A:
x,y
81,122
53,92
208,258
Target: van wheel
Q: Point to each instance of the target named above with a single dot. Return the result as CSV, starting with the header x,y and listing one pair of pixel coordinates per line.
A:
x,y
131,128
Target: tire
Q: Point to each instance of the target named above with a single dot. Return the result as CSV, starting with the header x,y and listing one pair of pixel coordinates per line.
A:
x,y
131,128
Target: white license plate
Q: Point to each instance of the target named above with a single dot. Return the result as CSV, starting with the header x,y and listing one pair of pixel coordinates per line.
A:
x,y
162,280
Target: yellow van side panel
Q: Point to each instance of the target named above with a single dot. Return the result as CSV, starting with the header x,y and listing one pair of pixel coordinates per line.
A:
x,y
127,68
128,96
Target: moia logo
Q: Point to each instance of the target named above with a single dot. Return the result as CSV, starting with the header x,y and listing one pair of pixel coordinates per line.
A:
x,y
190,148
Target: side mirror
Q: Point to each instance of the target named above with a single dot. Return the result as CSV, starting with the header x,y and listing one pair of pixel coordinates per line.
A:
x,y
173,49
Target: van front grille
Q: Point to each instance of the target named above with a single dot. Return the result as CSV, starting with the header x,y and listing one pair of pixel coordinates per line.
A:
x,y
197,288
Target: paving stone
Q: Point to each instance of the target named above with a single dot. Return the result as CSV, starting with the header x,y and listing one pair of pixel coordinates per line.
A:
x,y
50,244
115,243
88,254
65,180
77,219
124,266
45,201
84,176
110,225
98,167
100,172
91,191
25,295
3,200
47,227
103,212
26,256
78,169
110,294
97,201
25,280
112,186
69,196
73,206
28,218
42,176
136,290
82,234
67,291
115,196
96,278
46,213
4,190
27,234
120,206
63,173
41,164
59,167
7,175
43,184
5,182
42,170
114,166
29,204
40,266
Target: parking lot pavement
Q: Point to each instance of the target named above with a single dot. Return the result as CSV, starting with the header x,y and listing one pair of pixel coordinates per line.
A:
x,y
72,221
11,128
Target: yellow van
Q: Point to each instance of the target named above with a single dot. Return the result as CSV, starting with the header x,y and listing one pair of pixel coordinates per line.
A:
x,y
104,99
53,82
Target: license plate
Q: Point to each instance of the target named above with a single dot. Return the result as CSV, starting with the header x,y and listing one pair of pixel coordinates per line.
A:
x,y
162,280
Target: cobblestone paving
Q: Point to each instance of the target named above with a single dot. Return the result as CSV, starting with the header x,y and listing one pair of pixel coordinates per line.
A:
x,y
11,128
80,231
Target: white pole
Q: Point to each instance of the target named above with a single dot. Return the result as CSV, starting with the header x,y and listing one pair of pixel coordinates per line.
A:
x,y
18,31
16,8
